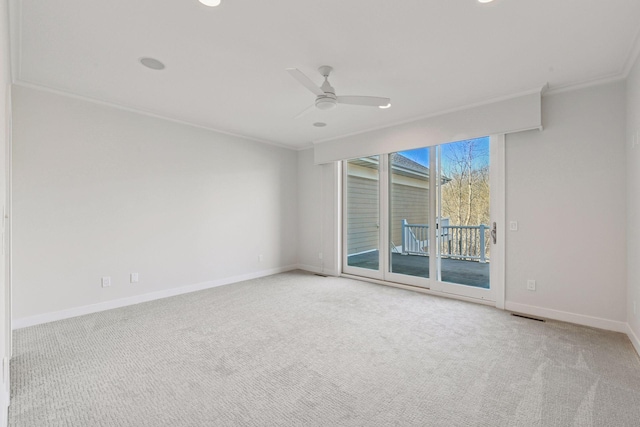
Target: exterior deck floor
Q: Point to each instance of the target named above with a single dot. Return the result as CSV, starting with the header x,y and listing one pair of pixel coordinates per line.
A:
x,y
470,273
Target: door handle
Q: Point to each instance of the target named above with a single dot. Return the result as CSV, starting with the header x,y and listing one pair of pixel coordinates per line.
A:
x,y
494,233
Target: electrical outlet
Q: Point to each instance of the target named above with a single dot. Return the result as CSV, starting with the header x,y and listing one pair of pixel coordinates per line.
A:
x,y
513,225
134,278
260,258
319,255
106,281
635,312
531,285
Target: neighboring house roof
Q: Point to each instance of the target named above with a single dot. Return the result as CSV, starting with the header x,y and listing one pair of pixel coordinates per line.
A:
x,y
401,165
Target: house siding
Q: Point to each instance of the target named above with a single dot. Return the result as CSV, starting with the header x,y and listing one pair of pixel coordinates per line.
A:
x,y
409,200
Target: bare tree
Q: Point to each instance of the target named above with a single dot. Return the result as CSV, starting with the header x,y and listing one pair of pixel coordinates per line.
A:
x,y
465,197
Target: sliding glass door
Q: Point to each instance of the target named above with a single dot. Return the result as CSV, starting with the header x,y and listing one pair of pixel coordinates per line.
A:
x,y
423,217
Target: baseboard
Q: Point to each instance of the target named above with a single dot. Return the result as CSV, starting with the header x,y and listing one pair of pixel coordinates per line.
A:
x,y
634,339
565,316
137,299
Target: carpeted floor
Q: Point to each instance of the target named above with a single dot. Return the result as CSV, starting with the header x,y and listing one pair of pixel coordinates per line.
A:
x,y
296,349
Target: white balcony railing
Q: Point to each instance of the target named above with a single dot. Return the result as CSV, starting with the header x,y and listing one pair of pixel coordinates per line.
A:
x,y
464,242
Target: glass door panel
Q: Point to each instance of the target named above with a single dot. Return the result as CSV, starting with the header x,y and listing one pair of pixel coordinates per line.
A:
x,y
464,251
362,215
409,215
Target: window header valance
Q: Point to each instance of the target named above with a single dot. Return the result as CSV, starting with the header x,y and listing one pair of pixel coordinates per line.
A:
x,y
514,114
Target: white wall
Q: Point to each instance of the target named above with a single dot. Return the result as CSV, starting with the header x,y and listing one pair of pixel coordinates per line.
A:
x,y
5,137
566,188
100,191
633,202
317,215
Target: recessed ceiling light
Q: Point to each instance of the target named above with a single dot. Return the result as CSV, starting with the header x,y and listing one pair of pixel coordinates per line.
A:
x,y
152,63
485,1
211,3
319,124
385,106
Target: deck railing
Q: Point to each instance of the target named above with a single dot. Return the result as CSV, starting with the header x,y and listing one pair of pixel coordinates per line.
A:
x,y
464,242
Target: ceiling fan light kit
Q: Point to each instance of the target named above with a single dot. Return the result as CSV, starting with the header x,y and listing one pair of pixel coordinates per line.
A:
x,y
210,3
326,98
326,102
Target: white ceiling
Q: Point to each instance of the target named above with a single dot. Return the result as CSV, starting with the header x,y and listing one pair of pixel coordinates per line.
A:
x,y
225,66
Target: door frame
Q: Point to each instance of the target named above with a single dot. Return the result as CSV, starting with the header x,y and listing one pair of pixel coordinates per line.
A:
x,y
497,183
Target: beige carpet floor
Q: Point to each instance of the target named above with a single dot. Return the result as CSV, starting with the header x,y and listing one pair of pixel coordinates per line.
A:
x,y
296,349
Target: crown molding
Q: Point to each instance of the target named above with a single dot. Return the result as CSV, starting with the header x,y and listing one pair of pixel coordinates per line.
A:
x,y
598,81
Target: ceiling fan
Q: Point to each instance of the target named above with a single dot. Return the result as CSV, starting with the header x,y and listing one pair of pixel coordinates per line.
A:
x,y
326,98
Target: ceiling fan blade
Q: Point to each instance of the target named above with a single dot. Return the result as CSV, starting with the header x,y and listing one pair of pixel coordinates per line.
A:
x,y
372,101
306,111
305,81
